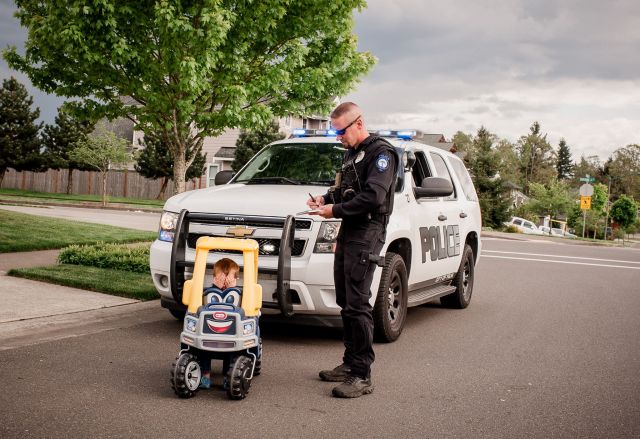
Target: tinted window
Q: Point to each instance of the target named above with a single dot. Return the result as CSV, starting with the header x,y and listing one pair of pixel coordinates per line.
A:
x,y
443,172
464,178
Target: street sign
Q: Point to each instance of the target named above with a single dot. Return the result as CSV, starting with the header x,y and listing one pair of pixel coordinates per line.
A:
x,y
586,190
585,203
588,179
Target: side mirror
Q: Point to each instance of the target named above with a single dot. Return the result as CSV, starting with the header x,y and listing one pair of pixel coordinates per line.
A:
x,y
434,187
410,160
223,177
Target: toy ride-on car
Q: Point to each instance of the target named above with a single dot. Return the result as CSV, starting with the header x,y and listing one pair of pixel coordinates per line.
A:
x,y
222,328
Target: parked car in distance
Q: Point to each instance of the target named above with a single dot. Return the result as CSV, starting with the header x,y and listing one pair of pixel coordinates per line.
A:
x,y
569,235
525,226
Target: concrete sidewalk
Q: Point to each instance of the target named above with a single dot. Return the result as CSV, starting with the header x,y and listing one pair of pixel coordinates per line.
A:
x,y
34,312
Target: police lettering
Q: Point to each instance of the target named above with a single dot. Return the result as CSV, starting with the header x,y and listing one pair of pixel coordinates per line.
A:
x,y
440,245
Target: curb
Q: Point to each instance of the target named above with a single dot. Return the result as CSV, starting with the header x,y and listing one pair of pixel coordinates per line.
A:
x,y
89,205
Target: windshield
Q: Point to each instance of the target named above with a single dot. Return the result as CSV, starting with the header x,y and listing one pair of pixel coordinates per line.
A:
x,y
294,163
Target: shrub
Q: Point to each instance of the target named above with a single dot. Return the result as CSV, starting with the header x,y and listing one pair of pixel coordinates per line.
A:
x,y
512,229
114,256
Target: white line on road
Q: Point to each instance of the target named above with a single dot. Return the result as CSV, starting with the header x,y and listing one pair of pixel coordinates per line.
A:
x,y
558,262
560,256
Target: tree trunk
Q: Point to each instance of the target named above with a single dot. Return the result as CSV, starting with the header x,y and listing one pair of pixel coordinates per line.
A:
x,y
69,180
104,189
2,171
163,188
179,172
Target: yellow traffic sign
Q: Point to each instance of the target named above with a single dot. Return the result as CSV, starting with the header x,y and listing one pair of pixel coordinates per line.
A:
x,y
585,203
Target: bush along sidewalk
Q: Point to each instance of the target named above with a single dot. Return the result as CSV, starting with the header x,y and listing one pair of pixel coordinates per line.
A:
x,y
121,270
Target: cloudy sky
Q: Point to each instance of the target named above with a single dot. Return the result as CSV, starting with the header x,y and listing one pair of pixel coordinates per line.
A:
x,y
572,65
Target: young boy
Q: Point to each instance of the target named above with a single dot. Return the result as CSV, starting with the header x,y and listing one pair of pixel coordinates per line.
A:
x,y
225,275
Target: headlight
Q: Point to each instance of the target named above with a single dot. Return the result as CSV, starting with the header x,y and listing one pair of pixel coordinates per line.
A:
x,y
190,325
327,236
248,328
168,222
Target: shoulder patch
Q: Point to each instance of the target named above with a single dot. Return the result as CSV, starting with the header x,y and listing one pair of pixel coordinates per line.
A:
x,y
382,162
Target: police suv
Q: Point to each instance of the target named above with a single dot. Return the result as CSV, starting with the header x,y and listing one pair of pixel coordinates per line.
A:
x,y
432,245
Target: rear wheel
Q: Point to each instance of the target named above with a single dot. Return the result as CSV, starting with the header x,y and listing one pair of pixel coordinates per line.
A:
x,y
186,375
390,310
463,282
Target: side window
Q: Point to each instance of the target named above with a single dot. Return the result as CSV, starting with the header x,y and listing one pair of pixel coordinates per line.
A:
x,y
517,222
420,169
443,172
528,225
464,178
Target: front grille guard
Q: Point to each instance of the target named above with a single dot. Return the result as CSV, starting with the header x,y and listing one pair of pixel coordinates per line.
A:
x,y
287,242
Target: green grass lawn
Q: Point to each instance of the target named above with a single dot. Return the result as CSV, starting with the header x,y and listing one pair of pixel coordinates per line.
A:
x,y
116,282
22,232
17,194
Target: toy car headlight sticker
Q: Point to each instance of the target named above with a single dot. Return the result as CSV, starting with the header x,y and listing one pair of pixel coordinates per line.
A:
x,y
248,328
191,325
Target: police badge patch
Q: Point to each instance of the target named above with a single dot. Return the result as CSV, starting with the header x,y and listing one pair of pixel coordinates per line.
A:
x,y
382,162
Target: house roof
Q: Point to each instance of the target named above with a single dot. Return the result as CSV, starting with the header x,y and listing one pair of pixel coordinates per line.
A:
x,y
226,152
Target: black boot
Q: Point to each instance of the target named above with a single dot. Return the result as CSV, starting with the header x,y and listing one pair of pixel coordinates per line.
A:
x,y
353,387
337,374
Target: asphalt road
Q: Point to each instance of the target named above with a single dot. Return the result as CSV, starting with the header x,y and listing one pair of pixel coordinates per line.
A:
x,y
548,348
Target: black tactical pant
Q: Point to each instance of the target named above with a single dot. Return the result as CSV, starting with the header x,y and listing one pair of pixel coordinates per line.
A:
x,y
353,274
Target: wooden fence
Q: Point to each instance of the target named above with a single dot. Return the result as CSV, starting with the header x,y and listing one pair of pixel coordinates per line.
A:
x,y
120,183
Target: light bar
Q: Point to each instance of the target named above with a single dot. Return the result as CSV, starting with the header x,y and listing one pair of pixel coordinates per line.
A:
x,y
400,134
302,132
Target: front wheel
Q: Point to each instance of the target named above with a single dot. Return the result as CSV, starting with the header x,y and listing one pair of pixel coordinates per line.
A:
x,y
186,375
390,310
463,282
238,377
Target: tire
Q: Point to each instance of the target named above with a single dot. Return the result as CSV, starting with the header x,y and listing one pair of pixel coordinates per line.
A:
x,y
390,310
237,377
186,375
463,281
258,369
177,314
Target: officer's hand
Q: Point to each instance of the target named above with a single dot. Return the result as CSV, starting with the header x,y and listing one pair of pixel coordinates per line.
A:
x,y
325,211
315,202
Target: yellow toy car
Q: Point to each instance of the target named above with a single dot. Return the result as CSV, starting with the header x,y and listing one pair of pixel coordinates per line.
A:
x,y
215,328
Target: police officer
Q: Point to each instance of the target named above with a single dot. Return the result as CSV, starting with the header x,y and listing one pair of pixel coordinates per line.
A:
x,y
363,199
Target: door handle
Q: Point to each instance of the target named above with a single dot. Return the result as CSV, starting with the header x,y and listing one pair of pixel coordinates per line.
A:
x,y
442,217
463,215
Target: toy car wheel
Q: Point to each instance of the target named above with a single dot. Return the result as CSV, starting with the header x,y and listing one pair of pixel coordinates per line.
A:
x,y
390,310
186,375
463,282
238,377
258,369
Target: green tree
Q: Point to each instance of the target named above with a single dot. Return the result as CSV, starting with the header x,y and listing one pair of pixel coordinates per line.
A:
x,y
191,69
155,161
536,158
102,150
251,141
553,199
624,169
624,211
590,165
483,166
564,164
60,139
464,143
19,142
509,164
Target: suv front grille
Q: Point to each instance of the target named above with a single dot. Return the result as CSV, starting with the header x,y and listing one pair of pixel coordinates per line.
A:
x,y
249,221
297,250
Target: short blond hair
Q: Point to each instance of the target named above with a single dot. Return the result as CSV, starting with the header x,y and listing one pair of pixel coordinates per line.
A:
x,y
344,108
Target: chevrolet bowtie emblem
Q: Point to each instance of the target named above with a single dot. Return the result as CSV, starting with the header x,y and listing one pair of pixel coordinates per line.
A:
x,y
240,231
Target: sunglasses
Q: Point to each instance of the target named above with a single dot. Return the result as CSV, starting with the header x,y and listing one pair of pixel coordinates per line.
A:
x,y
344,130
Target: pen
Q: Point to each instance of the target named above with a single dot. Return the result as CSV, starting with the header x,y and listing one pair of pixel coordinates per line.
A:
x,y
312,197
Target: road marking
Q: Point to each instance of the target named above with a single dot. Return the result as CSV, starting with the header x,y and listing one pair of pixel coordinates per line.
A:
x,y
560,256
559,262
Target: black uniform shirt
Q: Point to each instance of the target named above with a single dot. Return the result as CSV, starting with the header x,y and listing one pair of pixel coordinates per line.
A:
x,y
376,164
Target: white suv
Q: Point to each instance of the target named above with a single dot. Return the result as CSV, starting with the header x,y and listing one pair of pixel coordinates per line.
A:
x,y
432,245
